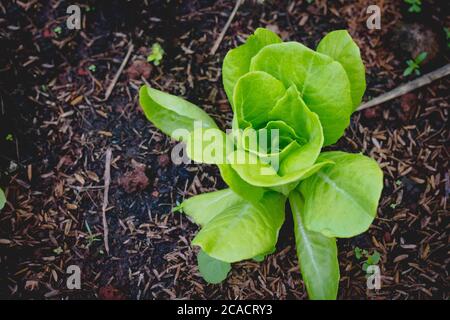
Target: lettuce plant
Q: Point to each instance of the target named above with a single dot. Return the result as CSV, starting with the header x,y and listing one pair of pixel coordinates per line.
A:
x,y
306,97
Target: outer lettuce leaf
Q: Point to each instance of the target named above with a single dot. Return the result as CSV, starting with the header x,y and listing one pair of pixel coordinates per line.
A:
x,y
317,256
341,200
212,270
340,46
238,185
244,230
322,82
204,207
170,113
237,61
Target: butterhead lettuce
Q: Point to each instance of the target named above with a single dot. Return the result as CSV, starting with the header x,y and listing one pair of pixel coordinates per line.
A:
x,y
288,102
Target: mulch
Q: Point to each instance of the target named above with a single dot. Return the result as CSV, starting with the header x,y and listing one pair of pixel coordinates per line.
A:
x,y
52,85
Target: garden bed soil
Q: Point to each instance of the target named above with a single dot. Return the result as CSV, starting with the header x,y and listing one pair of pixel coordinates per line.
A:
x,y
56,127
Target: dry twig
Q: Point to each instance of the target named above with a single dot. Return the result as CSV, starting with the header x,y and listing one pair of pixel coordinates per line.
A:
x,y
117,75
410,86
224,30
105,197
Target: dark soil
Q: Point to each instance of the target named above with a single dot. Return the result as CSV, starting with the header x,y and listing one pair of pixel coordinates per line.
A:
x,y
55,129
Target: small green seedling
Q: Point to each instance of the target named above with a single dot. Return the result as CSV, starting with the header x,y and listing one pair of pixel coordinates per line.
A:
x,y
414,65
91,238
57,30
58,251
92,68
371,259
415,5
447,34
2,199
9,137
156,55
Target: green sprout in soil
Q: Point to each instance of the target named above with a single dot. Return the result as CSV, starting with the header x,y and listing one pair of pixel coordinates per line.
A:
x,y
91,238
370,259
414,65
9,137
57,30
415,5
2,199
156,55
58,251
447,34
92,68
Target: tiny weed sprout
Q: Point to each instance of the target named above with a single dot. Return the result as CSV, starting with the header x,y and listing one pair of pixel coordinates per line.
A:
x,y
2,199
288,102
57,30
415,5
447,35
414,65
370,259
156,55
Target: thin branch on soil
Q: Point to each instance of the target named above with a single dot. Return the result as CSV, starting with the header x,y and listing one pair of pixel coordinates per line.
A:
x,y
410,86
227,25
117,75
105,197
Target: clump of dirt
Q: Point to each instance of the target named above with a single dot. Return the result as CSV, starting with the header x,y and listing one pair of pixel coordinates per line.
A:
x,y
110,293
408,103
138,69
414,38
135,179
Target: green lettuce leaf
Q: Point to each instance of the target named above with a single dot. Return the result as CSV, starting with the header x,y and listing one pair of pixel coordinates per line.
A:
x,y
306,124
243,230
322,82
340,46
237,61
171,113
255,95
204,207
317,256
238,185
341,200
262,174
212,270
